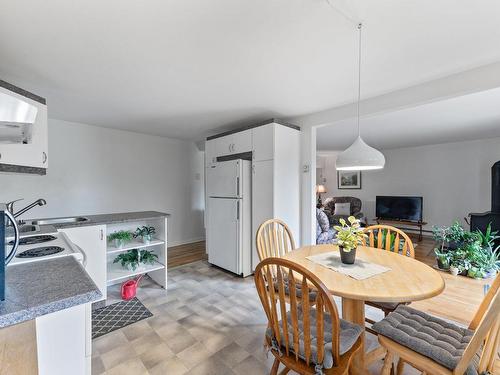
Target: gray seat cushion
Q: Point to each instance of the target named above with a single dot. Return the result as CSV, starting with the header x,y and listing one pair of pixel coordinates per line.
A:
x,y
434,338
298,291
349,333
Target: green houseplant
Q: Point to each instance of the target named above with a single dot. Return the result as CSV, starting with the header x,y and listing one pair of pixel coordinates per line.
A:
x,y
120,238
349,236
134,258
146,233
443,258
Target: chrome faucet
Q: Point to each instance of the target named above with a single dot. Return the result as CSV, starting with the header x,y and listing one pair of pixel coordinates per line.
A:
x,y
10,206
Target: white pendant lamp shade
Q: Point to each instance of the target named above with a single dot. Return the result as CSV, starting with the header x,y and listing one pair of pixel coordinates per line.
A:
x,y
360,157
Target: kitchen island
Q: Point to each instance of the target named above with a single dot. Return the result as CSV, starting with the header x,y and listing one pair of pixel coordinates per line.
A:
x,y
42,320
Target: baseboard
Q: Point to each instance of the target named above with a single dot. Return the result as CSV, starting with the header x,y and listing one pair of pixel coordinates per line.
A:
x,y
185,242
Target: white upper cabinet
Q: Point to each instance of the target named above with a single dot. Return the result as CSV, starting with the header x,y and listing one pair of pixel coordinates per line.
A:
x,y
228,145
263,142
242,142
25,144
224,145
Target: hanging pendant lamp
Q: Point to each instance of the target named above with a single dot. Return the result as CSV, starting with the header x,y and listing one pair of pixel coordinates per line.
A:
x,y
359,156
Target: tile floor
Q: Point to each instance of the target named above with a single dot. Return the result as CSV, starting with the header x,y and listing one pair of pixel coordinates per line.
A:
x,y
208,323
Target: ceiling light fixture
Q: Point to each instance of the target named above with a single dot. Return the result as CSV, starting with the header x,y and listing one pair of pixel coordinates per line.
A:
x,y
359,156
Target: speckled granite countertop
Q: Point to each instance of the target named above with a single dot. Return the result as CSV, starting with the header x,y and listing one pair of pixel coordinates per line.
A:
x,y
112,218
43,287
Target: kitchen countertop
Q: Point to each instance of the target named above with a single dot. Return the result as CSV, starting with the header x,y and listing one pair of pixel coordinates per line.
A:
x,y
38,288
110,218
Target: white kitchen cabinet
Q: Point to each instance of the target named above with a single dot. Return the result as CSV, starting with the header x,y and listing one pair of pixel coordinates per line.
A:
x,y
92,241
276,180
262,199
61,342
34,152
242,141
263,142
224,145
230,144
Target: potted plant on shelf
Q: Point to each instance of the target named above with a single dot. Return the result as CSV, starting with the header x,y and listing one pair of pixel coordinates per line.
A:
x,y
134,259
349,236
120,238
146,233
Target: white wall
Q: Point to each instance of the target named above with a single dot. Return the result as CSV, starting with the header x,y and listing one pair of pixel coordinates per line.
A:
x,y
453,178
95,170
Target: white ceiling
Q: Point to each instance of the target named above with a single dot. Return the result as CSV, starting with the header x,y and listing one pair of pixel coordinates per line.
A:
x,y
468,117
184,68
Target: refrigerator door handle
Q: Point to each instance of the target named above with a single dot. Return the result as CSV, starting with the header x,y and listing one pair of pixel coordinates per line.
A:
x,y
237,186
238,211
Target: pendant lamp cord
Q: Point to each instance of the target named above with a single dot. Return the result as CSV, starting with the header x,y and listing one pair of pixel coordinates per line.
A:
x,y
359,77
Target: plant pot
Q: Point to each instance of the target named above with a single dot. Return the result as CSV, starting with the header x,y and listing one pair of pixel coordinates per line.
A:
x,y
454,271
146,239
130,267
347,257
443,264
119,243
463,273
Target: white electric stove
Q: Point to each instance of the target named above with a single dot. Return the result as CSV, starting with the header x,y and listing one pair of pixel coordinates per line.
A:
x,y
35,247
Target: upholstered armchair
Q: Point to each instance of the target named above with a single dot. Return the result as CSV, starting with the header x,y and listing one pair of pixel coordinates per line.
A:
x,y
324,233
353,210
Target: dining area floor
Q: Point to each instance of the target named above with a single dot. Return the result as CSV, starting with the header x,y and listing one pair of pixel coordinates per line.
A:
x,y
208,322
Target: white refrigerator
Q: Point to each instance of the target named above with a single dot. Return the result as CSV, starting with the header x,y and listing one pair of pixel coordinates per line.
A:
x,y
229,224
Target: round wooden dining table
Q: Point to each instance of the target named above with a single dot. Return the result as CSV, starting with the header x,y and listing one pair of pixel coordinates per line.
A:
x,y
407,280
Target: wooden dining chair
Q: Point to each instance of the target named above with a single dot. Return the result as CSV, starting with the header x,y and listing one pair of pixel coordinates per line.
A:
x,y
304,338
437,347
274,239
390,239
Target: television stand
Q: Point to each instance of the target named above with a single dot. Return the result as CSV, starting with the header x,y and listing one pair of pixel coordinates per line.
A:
x,y
396,223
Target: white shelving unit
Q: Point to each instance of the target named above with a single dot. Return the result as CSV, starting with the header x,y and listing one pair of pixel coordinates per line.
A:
x,y
115,273
133,245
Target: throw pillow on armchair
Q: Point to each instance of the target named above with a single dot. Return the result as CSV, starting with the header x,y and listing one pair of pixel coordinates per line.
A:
x,y
331,208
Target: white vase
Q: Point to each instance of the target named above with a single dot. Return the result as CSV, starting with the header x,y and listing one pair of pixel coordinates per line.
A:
x,y
454,271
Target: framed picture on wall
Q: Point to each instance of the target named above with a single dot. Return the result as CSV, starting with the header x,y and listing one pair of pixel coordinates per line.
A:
x,y
349,179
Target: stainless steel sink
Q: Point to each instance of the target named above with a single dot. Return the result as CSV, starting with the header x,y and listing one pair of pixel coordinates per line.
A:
x,y
62,220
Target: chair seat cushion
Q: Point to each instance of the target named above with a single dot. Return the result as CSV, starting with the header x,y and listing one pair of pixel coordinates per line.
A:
x,y
298,291
434,338
349,333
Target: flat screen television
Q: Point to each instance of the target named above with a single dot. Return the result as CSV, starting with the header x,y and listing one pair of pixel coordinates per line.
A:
x,y
399,208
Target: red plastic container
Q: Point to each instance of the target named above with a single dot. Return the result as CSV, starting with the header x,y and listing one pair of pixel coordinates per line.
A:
x,y
129,288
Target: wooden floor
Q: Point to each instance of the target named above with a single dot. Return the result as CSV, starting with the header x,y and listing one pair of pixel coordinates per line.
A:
x,y
184,254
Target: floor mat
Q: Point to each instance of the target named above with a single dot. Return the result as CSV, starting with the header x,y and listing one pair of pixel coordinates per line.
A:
x,y
118,315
